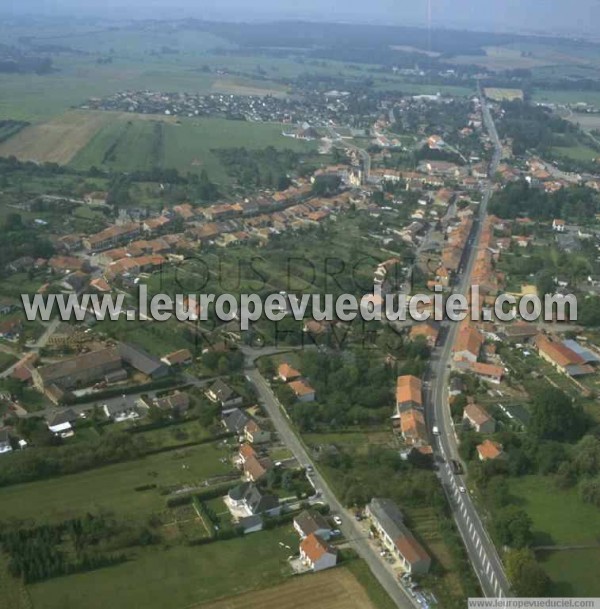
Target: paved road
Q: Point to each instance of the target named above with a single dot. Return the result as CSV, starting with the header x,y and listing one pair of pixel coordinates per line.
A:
x,y
481,550
349,527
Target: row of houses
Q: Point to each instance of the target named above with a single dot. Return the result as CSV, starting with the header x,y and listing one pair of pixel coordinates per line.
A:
x,y
409,416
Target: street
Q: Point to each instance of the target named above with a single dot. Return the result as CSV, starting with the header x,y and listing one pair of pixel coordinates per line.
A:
x,y
349,527
482,552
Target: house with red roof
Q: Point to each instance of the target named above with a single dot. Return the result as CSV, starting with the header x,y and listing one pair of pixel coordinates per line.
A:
x,y
317,554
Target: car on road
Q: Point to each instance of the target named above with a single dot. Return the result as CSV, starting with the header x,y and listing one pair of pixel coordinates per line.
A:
x,y
435,430
456,467
337,520
462,489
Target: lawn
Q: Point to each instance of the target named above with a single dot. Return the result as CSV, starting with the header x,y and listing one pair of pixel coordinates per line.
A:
x,y
112,487
571,573
176,577
559,517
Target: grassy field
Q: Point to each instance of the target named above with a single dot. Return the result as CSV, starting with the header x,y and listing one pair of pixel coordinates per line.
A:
x,y
124,143
112,487
57,140
178,577
559,517
185,145
14,593
571,573
567,97
336,589
577,153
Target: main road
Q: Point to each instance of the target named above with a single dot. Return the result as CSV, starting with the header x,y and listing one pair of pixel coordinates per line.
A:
x,y
481,550
349,527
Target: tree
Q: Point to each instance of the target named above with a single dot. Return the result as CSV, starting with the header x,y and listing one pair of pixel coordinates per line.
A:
x,y
525,574
555,417
512,526
589,491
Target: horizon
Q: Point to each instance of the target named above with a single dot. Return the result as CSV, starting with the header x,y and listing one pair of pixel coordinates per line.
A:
x,y
498,16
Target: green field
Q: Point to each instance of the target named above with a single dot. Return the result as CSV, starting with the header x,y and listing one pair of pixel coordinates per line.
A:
x,y
186,145
124,145
577,153
559,517
567,97
111,488
176,577
571,571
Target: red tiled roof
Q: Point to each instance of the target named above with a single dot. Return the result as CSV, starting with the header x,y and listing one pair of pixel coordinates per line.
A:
x,y
314,548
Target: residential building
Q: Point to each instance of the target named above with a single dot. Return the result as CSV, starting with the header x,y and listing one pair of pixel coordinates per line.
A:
x,y
409,393
388,521
302,390
235,420
412,425
468,344
221,393
310,522
427,331
183,357
251,500
255,434
255,467
177,403
61,423
479,419
122,411
317,554
489,450
487,372
286,373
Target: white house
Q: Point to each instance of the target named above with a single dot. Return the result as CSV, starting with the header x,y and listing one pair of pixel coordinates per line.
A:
x,y
317,554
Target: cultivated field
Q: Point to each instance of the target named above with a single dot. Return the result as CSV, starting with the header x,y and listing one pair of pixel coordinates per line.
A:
x,y
501,58
503,94
55,141
183,144
588,122
242,86
336,589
